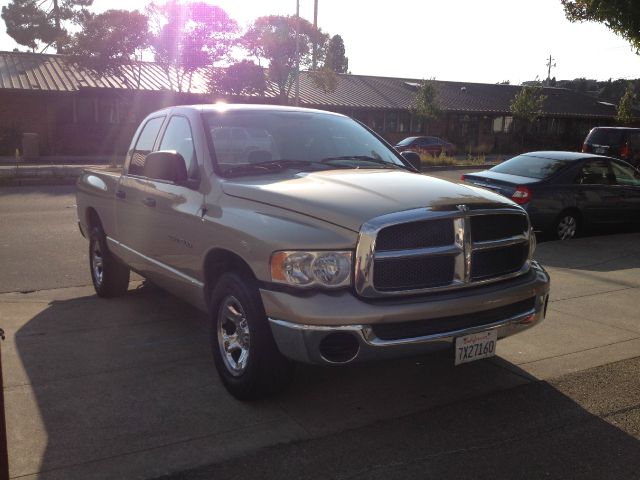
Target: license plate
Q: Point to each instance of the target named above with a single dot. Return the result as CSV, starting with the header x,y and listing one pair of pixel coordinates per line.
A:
x,y
601,149
476,346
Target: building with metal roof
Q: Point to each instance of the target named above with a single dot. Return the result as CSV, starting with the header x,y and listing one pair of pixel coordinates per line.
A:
x,y
74,111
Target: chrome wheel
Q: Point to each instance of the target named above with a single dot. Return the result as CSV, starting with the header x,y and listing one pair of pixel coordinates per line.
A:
x,y
233,336
567,227
97,263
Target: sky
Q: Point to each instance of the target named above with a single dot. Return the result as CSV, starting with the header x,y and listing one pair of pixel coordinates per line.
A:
x,y
485,41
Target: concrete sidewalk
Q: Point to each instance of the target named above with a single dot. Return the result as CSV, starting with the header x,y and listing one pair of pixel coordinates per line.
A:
x,y
125,388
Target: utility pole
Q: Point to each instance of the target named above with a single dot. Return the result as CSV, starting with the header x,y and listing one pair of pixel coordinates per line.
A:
x,y
297,101
550,63
56,18
315,26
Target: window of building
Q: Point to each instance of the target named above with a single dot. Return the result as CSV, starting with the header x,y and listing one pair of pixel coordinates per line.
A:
x,y
144,145
417,125
508,123
391,122
498,124
404,122
85,110
377,121
107,111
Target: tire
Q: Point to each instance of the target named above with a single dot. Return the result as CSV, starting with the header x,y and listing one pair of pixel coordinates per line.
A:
x,y
244,351
110,277
566,226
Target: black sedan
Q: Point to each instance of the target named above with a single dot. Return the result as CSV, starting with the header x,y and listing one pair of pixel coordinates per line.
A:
x,y
566,191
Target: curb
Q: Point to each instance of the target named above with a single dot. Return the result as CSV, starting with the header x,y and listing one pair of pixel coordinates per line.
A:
x,y
43,175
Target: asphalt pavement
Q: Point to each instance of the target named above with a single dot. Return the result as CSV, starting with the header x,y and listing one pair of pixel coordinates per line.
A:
x,y
125,388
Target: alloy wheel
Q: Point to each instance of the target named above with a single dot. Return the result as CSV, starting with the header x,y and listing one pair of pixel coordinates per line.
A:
x,y
233,336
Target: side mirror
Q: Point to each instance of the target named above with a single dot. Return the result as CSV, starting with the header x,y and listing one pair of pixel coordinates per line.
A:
x,y
413,158
165,165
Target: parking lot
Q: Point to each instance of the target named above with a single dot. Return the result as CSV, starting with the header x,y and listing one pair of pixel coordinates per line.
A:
x,y
125,388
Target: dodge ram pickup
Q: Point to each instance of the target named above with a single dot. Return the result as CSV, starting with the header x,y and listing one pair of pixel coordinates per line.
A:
x,y
308,238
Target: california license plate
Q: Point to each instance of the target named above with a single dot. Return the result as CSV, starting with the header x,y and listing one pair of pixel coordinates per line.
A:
x,y
476,346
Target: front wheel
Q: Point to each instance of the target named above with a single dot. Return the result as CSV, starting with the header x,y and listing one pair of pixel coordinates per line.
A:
x,y
566,226
244,351
110,277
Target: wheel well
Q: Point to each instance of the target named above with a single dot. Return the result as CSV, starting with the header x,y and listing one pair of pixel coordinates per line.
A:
x,y
93,219
573,210
221,261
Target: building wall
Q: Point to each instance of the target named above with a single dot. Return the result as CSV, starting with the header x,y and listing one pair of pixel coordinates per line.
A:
x,y
91,122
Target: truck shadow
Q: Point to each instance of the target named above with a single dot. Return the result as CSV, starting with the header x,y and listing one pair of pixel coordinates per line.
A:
x,y
126,388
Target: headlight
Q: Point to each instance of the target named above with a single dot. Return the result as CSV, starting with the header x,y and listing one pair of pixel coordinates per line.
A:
x,y
331,269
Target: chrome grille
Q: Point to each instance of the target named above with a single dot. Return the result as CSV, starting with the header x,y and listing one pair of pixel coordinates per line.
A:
x,y
423,250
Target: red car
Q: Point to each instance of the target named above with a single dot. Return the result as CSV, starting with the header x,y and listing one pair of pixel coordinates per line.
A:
x,y
431,145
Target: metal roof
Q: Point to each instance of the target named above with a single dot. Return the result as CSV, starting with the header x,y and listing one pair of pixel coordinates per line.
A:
x,y
57,73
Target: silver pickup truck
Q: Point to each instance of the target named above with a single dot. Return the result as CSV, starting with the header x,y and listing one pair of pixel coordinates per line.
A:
x,y
319,243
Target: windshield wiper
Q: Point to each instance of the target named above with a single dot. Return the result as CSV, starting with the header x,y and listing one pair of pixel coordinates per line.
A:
x,y
274,166
364,158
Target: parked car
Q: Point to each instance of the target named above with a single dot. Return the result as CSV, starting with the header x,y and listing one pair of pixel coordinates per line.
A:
x,y
431,145
563,192
618,142
324,245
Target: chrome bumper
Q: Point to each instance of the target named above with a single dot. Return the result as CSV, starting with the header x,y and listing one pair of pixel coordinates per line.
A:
x,y
303,342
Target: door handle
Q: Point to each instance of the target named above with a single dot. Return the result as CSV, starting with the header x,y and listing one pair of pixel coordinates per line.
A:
x,y
149,202
121,194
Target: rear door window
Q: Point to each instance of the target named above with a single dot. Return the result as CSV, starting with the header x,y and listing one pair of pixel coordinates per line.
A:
x,y
144,145
594,172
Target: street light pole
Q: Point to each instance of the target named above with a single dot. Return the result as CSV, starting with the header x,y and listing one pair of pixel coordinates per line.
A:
x,y
297,101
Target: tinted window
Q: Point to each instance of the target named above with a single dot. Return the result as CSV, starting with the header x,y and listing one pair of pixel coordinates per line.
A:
x,y
144,145
178,137
605,136
530,166
625,175
594,172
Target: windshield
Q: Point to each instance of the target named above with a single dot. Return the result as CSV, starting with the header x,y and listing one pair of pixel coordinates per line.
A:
x,y
244,142
530,166
406,141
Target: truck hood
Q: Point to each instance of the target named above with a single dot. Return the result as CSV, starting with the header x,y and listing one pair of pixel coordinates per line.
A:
x,y
349,198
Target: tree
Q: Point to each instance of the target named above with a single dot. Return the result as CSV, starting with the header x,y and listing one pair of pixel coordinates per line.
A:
x,y
335,58
190,36
527,107
40,23
243,78
624,114
426,104
110,40
620,16
273,39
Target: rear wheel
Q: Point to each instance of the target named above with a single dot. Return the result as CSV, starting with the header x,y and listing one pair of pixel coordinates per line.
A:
x,y
566,226
244,351
110,277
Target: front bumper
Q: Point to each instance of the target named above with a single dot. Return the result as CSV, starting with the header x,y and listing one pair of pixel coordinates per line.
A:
x,y
302,326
